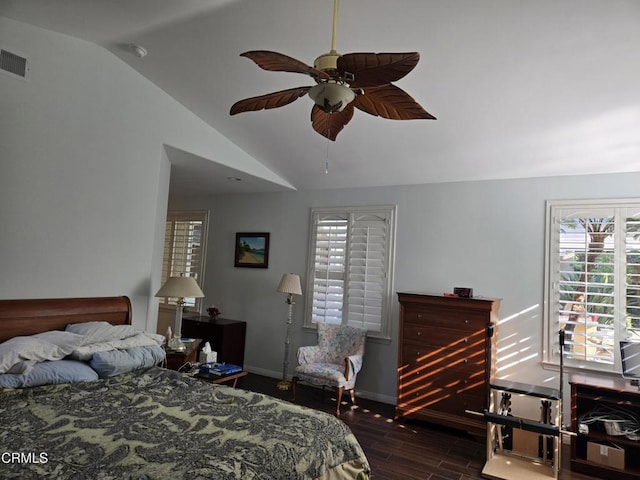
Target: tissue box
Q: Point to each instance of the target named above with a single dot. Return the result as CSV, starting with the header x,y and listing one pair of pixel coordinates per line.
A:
x,y
208,357
609,455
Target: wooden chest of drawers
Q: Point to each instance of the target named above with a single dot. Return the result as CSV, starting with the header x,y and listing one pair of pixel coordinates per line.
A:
x,y
444,363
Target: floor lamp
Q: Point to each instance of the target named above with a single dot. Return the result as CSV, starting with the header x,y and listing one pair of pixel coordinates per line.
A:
x,y
289,284
180,288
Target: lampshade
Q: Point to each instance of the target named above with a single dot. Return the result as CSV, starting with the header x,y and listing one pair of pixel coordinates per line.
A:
x,y
290,283
180,287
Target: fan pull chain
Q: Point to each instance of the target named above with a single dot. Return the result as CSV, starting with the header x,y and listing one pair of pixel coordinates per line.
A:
x,y
326,162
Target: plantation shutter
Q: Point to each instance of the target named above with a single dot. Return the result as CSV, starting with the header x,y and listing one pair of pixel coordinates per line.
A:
x,y
632,257
184,247
329,268
350,275
367,271
585,287
594,280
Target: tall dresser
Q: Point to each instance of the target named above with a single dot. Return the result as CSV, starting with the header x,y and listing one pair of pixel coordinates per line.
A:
x,y
444,362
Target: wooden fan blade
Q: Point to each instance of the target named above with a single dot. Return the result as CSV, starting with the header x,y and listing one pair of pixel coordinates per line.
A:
x,y
330,124
270,100
390,102
374,69
278,62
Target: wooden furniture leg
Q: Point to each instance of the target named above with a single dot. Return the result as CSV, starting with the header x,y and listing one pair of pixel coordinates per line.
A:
x,y
294,382
339,400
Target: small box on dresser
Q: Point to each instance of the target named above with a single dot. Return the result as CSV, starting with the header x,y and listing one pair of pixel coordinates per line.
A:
x,y
444,359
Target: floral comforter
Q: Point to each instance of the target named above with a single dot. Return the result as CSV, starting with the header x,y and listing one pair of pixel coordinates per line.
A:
x,y
159,424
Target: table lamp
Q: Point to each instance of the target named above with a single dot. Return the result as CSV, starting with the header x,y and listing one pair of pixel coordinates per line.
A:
x,y
179,287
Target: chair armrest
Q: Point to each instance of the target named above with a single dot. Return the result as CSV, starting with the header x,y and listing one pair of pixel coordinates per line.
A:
x,y
310,354
355,361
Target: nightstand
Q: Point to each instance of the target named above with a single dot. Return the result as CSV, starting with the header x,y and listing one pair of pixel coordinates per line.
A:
x,y
177,359
225,336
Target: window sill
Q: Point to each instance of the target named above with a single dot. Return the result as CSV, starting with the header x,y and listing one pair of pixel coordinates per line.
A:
x,y
574,369
370,337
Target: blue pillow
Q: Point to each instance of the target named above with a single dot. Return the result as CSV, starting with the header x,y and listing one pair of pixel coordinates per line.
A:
x,y
50,373
115,362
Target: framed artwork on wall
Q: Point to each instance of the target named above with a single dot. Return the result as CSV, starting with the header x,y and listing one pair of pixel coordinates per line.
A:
x,y
252,250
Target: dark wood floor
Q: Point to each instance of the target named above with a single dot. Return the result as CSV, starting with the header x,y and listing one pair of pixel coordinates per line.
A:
x,y
399,450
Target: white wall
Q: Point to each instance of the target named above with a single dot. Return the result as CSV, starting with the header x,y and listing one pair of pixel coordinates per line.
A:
x,y
486,235
83,171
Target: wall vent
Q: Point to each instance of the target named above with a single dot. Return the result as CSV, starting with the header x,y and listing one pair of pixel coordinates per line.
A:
x,y
14,64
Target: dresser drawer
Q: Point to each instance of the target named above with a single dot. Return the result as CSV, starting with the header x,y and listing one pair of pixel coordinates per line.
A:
x,y
462,378
446,400
443,318
442,358
452,339
466,363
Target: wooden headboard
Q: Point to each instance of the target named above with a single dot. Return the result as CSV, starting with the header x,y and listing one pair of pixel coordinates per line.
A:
x,y
27,317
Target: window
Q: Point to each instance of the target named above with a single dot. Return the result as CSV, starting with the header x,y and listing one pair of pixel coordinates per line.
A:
x,y
350,277
592,280
184,249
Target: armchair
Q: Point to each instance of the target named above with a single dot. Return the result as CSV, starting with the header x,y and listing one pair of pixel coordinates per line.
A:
x,y
335,361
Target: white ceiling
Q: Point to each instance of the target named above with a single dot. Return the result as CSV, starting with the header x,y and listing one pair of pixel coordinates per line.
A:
x,y
520,88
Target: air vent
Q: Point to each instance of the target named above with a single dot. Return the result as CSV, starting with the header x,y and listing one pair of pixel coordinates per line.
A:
x,y
14,64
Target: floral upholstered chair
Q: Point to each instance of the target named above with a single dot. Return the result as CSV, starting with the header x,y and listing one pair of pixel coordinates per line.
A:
x,y
335,361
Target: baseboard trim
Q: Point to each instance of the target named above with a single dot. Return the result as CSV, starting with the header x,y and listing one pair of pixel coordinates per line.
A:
x,y
377,397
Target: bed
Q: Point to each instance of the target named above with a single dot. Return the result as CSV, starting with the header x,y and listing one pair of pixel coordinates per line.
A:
x,y
154,423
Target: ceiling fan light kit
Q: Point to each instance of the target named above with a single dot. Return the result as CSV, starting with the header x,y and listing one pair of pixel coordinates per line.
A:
x,y
331,96
343,83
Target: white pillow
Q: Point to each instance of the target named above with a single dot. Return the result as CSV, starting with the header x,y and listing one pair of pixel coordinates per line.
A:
x,y
95,332
20,354
66,340
142,339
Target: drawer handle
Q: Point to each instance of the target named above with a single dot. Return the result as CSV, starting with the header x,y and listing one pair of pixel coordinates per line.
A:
x,y
465,361
466,340
419,372
417,354
466,321
419,315
419,333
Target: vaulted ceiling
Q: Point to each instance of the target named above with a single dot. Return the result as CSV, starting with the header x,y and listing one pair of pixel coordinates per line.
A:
x,y
520,88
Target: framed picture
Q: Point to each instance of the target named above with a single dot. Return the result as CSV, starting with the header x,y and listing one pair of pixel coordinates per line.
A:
x,y
252,250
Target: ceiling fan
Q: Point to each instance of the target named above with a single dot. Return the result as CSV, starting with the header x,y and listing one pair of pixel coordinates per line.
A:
x,y
343,82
